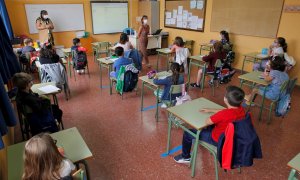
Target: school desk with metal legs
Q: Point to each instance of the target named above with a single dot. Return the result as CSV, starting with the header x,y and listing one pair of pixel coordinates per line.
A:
x,y
206,47
72,142
254,78
35,89
106,63
68,54
191,116
295,165
197,61
252,57
163,52
149,84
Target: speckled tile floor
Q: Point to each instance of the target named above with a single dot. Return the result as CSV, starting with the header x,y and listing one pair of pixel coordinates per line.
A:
x,y
127,143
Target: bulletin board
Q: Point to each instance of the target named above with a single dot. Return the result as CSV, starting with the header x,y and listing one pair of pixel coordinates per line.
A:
x,y
253,17
185,14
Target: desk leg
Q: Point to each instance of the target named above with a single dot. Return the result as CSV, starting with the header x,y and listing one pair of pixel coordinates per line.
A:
x,y
69,66
243,65
157,100
262,103
157,61
142,96
241,83
194,153
168,62
100,73
86,168
110,81
292,174
55,101
169,133
203,78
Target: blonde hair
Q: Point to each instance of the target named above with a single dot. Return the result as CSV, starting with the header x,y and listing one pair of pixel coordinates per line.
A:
x,y
27,41
42,159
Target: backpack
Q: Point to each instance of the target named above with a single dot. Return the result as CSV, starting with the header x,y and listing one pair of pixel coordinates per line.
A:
x,y
79,59
283,105
130,81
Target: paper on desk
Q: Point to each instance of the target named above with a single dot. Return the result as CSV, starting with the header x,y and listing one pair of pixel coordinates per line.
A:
x,y
113,59
162,77
49,89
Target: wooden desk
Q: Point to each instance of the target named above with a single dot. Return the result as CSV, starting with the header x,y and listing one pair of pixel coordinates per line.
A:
x,y
163,52
206,47
252,57
154,41
254,79
106,63
295,165
149,83
35,89
189,113
197,61
70,139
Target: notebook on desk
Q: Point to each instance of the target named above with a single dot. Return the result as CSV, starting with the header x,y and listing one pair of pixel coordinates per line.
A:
x,y
157,32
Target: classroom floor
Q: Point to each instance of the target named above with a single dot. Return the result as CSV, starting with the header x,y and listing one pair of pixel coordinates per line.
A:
x,y
127,143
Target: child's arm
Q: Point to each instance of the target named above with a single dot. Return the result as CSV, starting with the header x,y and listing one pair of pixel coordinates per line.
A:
x,y
160,81
208,122
209,110
173,49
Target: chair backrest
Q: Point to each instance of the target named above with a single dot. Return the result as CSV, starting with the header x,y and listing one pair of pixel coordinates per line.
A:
x,y
189,44
175,89
54,73
291,84
104,45
284,86
79,175
218,63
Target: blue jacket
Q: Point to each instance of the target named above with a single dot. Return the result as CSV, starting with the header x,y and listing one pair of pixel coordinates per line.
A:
x,y
246,144
122,61
167,82
136,57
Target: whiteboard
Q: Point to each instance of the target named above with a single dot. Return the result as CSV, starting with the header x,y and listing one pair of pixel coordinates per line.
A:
x,y
109,17
65,17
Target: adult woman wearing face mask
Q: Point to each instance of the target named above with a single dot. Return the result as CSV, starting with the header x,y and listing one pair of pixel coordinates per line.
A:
x,y
45,27
143,39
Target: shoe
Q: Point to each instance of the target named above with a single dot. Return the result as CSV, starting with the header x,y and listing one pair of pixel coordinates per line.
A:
x,y
211,82
78,71
181,160
195,85
82,71
164,106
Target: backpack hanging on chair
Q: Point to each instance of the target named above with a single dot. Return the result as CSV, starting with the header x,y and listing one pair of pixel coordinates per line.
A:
x,y
79,59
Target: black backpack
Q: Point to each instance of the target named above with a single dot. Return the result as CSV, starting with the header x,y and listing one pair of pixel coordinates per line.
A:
x,y
130,81
79,59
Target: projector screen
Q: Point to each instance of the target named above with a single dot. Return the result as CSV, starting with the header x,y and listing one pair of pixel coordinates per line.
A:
x,y
109,17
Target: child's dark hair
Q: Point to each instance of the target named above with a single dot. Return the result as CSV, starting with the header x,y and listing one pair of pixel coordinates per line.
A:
x,y
234,96
179,41
282,43
47,51
277,63
21,80
218,46
76,41
175,68
123,38
119,51
225,34
27,41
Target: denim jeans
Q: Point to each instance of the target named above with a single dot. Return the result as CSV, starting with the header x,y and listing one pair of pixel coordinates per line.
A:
x,y
205,135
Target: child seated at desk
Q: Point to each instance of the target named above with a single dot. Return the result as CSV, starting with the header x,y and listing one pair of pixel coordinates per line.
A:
x,y
79,56
40,117
227,45
42,160
278,48
28,46
276,75
175,79
48,55
121,61
217,53
216,124
124,43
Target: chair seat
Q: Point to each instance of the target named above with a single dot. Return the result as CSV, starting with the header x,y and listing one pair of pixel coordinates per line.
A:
x,y
210,147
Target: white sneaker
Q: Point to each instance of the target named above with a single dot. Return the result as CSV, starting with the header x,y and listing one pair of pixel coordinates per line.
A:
x,y
82,70
78,71
163,105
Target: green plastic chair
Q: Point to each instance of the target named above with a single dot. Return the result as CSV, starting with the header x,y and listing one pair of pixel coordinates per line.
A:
x,y
218,65
175,89
103,48
293,175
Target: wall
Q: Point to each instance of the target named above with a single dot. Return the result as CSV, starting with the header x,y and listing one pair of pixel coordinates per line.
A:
x,y
288,28
17,13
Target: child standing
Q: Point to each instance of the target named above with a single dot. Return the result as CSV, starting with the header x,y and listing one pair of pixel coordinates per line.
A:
x,y
121,61
217,123
181,53
175,79
217,53
278,48
79,56
42,160
276,75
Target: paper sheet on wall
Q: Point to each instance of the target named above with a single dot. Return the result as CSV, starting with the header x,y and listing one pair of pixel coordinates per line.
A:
x,y
185,15
189,24
194,19
179,17
193,4
194,25
184,24
200,4
190,15
174,13
168,21
172,21
179,24
180,9
200,23
168,15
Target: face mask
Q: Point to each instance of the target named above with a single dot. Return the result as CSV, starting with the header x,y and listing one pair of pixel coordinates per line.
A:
x,y
45,16
145,21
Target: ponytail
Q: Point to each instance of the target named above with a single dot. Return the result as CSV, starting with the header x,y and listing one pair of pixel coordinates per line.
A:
x,y
282,43
175,68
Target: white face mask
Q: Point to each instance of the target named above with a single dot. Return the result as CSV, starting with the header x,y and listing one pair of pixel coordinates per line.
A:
x,y
145,21
45,16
